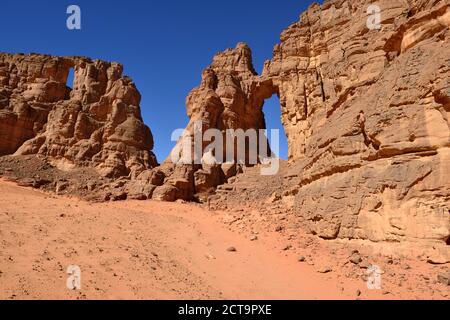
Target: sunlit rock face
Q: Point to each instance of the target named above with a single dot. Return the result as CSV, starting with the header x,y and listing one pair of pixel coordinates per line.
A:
x,y
366,112
96,123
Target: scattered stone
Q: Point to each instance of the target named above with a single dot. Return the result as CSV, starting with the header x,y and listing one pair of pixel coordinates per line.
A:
x,y
355,258
406,267
253,238
120,196
61,186
278,229
229,219
167,193
33,182
444,278
325,270
137,196
287,247
301,259
438,259
231,249
275,197
358,293
365,265
91,186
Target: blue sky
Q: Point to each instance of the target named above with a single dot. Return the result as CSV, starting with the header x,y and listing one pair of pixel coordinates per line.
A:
x,y
163,45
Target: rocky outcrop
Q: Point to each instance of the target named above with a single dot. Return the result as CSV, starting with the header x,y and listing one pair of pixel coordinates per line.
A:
x,y
367,115
97,123
230,96
366,112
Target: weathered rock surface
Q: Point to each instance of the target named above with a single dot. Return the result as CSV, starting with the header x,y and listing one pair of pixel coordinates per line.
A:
x,y
371,133
367,113
96,124
230,96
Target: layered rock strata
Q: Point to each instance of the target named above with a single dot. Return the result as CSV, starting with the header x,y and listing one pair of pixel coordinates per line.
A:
x,y
97,123
367,116
366,111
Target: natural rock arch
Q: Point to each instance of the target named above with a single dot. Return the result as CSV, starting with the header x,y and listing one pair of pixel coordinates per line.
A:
x,y
96,123
366,113
361,174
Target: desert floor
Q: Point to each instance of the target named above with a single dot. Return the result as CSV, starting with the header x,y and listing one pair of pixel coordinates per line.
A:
x,y
153,250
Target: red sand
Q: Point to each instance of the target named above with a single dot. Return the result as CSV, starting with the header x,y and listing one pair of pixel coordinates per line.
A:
x,y
148,250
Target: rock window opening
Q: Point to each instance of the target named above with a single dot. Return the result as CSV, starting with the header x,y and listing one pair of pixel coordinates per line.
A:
x,y
69,83
272,114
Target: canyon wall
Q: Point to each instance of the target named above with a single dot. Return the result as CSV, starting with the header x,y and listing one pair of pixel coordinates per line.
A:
x,y
96,123
366,113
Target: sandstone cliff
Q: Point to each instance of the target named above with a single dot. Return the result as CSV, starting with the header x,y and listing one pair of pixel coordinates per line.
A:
x,y
230,96
96,123
366,112
367,117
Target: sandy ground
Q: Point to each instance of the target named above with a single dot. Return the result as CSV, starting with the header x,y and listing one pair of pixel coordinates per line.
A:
x,y
153,250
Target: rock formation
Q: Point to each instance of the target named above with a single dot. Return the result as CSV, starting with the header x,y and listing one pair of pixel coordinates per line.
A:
x,y
367,118
366,112
230,96
96,123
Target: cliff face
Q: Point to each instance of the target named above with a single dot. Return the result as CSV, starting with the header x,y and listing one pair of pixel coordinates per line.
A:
x,y
366,112
367,115
328,61
230,96
97,123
